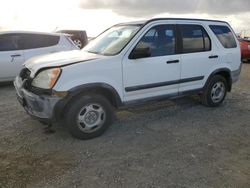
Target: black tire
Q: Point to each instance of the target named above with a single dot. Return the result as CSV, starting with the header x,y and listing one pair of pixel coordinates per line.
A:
x,y
207,96
74,111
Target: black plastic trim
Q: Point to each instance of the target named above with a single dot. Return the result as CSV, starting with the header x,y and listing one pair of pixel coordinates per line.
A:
x,y
83,87
161,84
62,104
185,19
219,71
173,61
160,19
149,99
213,57
161,97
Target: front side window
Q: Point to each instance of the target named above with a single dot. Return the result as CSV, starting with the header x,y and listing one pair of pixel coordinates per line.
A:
x,y
194,39
225,36
112,41
160,40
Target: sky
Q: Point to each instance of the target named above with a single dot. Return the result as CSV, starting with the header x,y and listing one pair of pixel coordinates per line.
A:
x,y
94,16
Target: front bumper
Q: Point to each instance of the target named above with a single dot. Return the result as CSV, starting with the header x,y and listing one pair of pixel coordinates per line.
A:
x,y
38,106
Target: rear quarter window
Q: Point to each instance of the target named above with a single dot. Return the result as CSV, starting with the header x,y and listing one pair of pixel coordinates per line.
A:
x,y
225,35
32,41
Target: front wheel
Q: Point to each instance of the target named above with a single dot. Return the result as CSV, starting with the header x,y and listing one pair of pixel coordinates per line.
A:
x,y
89,116
215,91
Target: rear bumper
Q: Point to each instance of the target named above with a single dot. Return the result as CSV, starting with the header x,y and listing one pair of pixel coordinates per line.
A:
x,y
40,107
235,75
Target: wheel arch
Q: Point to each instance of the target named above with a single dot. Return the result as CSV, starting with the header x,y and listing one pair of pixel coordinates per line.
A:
x,y
226,73
99,88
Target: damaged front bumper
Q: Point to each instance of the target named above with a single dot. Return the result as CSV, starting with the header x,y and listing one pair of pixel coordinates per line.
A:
x,y
41,107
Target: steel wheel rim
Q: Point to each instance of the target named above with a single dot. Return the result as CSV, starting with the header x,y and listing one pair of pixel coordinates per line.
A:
x,y
218,92
78,43
91,118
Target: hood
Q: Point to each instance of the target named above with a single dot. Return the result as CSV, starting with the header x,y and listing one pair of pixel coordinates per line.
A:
x,y
59,59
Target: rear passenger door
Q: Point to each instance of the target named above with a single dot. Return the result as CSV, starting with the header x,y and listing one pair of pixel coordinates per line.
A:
x,y
38,44
230,49
198,56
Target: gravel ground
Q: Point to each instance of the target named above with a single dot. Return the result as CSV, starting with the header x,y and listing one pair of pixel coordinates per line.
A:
x,y
176,144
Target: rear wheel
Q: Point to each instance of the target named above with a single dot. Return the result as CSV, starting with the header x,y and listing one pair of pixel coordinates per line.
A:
x,y
215,91
89,116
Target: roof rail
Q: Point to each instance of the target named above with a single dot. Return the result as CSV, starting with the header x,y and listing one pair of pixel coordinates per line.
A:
x,y
187,19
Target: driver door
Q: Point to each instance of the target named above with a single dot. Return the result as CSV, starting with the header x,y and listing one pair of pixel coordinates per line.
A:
x,y
156,74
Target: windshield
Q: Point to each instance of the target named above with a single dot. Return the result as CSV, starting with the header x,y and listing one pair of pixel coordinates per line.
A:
x,y
112,41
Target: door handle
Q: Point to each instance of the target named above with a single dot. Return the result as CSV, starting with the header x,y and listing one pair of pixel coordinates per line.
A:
x,y
16,55
13,56
173,61
213,56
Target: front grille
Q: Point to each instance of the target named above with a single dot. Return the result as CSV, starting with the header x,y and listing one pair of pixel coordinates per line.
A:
x,y
24,74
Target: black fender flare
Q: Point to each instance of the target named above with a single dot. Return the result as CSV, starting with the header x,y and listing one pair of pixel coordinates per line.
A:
x,y
218,71
75,91
85,87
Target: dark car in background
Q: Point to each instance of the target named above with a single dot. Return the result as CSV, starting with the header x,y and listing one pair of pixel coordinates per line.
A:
x,y
79,37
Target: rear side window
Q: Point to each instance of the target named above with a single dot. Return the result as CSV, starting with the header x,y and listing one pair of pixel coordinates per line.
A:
x,y
225,36
194,39
9,42
31,41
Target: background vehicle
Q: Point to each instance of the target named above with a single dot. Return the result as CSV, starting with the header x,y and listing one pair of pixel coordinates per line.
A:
x,y
245,49
80,38
131,63
17,47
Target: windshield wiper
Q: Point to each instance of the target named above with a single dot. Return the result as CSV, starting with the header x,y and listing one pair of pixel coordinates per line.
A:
x,y
94,52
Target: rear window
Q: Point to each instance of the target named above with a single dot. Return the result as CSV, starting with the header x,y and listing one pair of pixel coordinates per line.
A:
x,y
31,41
225,36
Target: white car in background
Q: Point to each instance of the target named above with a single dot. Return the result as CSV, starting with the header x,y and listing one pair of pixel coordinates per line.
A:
x,y
17,47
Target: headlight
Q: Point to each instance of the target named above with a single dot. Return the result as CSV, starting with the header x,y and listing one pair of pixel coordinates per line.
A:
x,y
47,78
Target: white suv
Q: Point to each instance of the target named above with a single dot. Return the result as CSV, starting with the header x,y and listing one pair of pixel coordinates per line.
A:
x,y
131,63
18,46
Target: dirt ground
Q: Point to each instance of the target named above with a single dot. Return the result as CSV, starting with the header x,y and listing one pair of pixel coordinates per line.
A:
x,y
176,144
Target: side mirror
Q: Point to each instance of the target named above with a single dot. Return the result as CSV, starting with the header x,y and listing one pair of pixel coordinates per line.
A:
x,y
138,53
